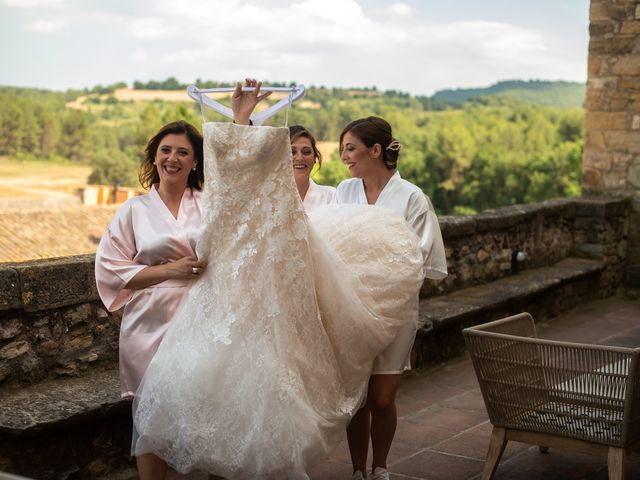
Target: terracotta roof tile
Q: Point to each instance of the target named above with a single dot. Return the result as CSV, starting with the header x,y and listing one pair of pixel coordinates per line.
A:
x,y
30,235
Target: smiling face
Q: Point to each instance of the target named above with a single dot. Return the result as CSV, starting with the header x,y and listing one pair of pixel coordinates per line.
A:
x,y
174,160
302,156
359,158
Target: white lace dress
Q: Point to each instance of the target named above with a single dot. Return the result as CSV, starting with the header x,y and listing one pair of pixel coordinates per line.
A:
x,y
270,354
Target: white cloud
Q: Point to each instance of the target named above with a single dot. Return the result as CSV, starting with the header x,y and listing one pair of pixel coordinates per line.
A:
x,y
45,26
148,28
330,42
34,3
339,11
335,42
400,9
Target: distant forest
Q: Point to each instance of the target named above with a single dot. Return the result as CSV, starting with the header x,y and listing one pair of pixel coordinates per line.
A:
x,y
469,150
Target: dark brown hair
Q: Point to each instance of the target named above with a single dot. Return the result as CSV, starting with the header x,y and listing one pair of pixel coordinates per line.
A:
x,y
372,130
296,131
148,173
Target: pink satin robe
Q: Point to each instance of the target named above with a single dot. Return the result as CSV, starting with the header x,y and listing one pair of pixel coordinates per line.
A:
x,y
143,232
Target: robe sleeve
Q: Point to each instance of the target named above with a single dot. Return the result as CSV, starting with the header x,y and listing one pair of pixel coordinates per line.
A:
x,y
424,221
114,266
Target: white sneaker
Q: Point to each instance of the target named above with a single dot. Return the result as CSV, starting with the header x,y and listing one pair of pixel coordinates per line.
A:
x,y
379,474
357,475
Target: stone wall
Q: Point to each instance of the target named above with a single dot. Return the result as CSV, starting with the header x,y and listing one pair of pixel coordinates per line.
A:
x,y
611,162
481,248
52,323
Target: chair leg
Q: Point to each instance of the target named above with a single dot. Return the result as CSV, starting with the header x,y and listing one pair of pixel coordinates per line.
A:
x,y
616,463
496,447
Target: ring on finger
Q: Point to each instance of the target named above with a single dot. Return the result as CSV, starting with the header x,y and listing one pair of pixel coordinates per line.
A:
x,y
194,270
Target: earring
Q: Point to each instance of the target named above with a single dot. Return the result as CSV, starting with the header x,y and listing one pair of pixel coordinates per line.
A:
x,y
194,168
154,162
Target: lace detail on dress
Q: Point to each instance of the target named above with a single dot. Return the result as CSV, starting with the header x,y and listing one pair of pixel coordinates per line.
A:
x,y
270,355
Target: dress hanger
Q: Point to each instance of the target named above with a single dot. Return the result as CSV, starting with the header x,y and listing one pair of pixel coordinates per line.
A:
x,y
257,118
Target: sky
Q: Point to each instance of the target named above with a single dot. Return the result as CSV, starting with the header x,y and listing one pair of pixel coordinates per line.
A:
x,y
417,46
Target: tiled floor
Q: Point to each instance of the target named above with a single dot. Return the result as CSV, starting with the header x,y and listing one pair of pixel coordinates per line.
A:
x,y
443,430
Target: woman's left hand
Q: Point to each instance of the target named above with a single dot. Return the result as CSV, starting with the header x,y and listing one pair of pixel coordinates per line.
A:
x,y
243,103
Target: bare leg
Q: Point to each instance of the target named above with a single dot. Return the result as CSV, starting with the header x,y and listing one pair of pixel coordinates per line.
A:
x,y
358,439
384,416
151,467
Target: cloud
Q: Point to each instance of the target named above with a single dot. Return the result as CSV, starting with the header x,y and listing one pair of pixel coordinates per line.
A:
x,y
338,11
337,42
45,26
148,28
34,3
91,24
400,9
329,42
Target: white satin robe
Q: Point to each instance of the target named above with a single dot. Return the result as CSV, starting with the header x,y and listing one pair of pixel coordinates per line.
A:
x,y
408,200
144,232
318,195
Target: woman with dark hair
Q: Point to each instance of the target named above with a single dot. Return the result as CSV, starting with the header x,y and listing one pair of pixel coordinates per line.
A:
x,y
146,260
370,151
304,156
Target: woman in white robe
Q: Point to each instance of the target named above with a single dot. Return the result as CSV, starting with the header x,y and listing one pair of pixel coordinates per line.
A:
x,y
304,156
271,352
370,152
146,261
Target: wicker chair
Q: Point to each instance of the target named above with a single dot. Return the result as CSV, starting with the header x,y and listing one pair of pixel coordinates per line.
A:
x,y
571,396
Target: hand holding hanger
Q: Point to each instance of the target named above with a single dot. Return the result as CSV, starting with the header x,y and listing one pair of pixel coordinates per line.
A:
x,y
244,102
200,96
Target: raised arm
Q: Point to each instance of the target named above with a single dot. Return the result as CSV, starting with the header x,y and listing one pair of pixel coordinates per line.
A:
x,y
243,103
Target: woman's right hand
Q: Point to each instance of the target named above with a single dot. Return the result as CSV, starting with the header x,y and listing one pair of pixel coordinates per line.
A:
x,y
243,103
187,267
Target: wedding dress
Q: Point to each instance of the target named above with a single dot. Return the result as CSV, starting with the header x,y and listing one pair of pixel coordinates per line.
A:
x,y
270,355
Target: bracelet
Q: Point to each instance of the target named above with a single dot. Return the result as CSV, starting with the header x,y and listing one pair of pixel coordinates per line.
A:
x,y
250,122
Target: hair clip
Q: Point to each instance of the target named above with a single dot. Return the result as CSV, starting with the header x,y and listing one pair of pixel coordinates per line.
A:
x,y
394,146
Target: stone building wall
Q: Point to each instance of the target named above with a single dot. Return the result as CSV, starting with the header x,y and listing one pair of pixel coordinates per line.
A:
x,y
52,323
611,162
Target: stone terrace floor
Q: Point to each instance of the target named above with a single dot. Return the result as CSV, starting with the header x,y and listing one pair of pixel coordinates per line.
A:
x,y
443,428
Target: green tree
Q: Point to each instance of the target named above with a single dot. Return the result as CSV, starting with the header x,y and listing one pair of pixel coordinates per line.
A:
x,y
114,168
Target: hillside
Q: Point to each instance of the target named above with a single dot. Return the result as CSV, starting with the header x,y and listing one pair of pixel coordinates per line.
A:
x,y
560,94
536,92
503,149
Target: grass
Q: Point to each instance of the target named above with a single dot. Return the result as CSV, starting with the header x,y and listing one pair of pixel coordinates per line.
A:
x,y
40,178
42,169
327,149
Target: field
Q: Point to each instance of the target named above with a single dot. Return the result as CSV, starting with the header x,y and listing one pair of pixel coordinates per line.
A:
x,y
327,149
39,179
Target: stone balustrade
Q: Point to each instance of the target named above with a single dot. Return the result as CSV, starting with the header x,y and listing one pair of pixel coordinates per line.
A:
x,y
52,323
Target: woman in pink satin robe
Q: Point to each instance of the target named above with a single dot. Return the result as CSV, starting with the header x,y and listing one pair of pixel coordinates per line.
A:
x,y
146,259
